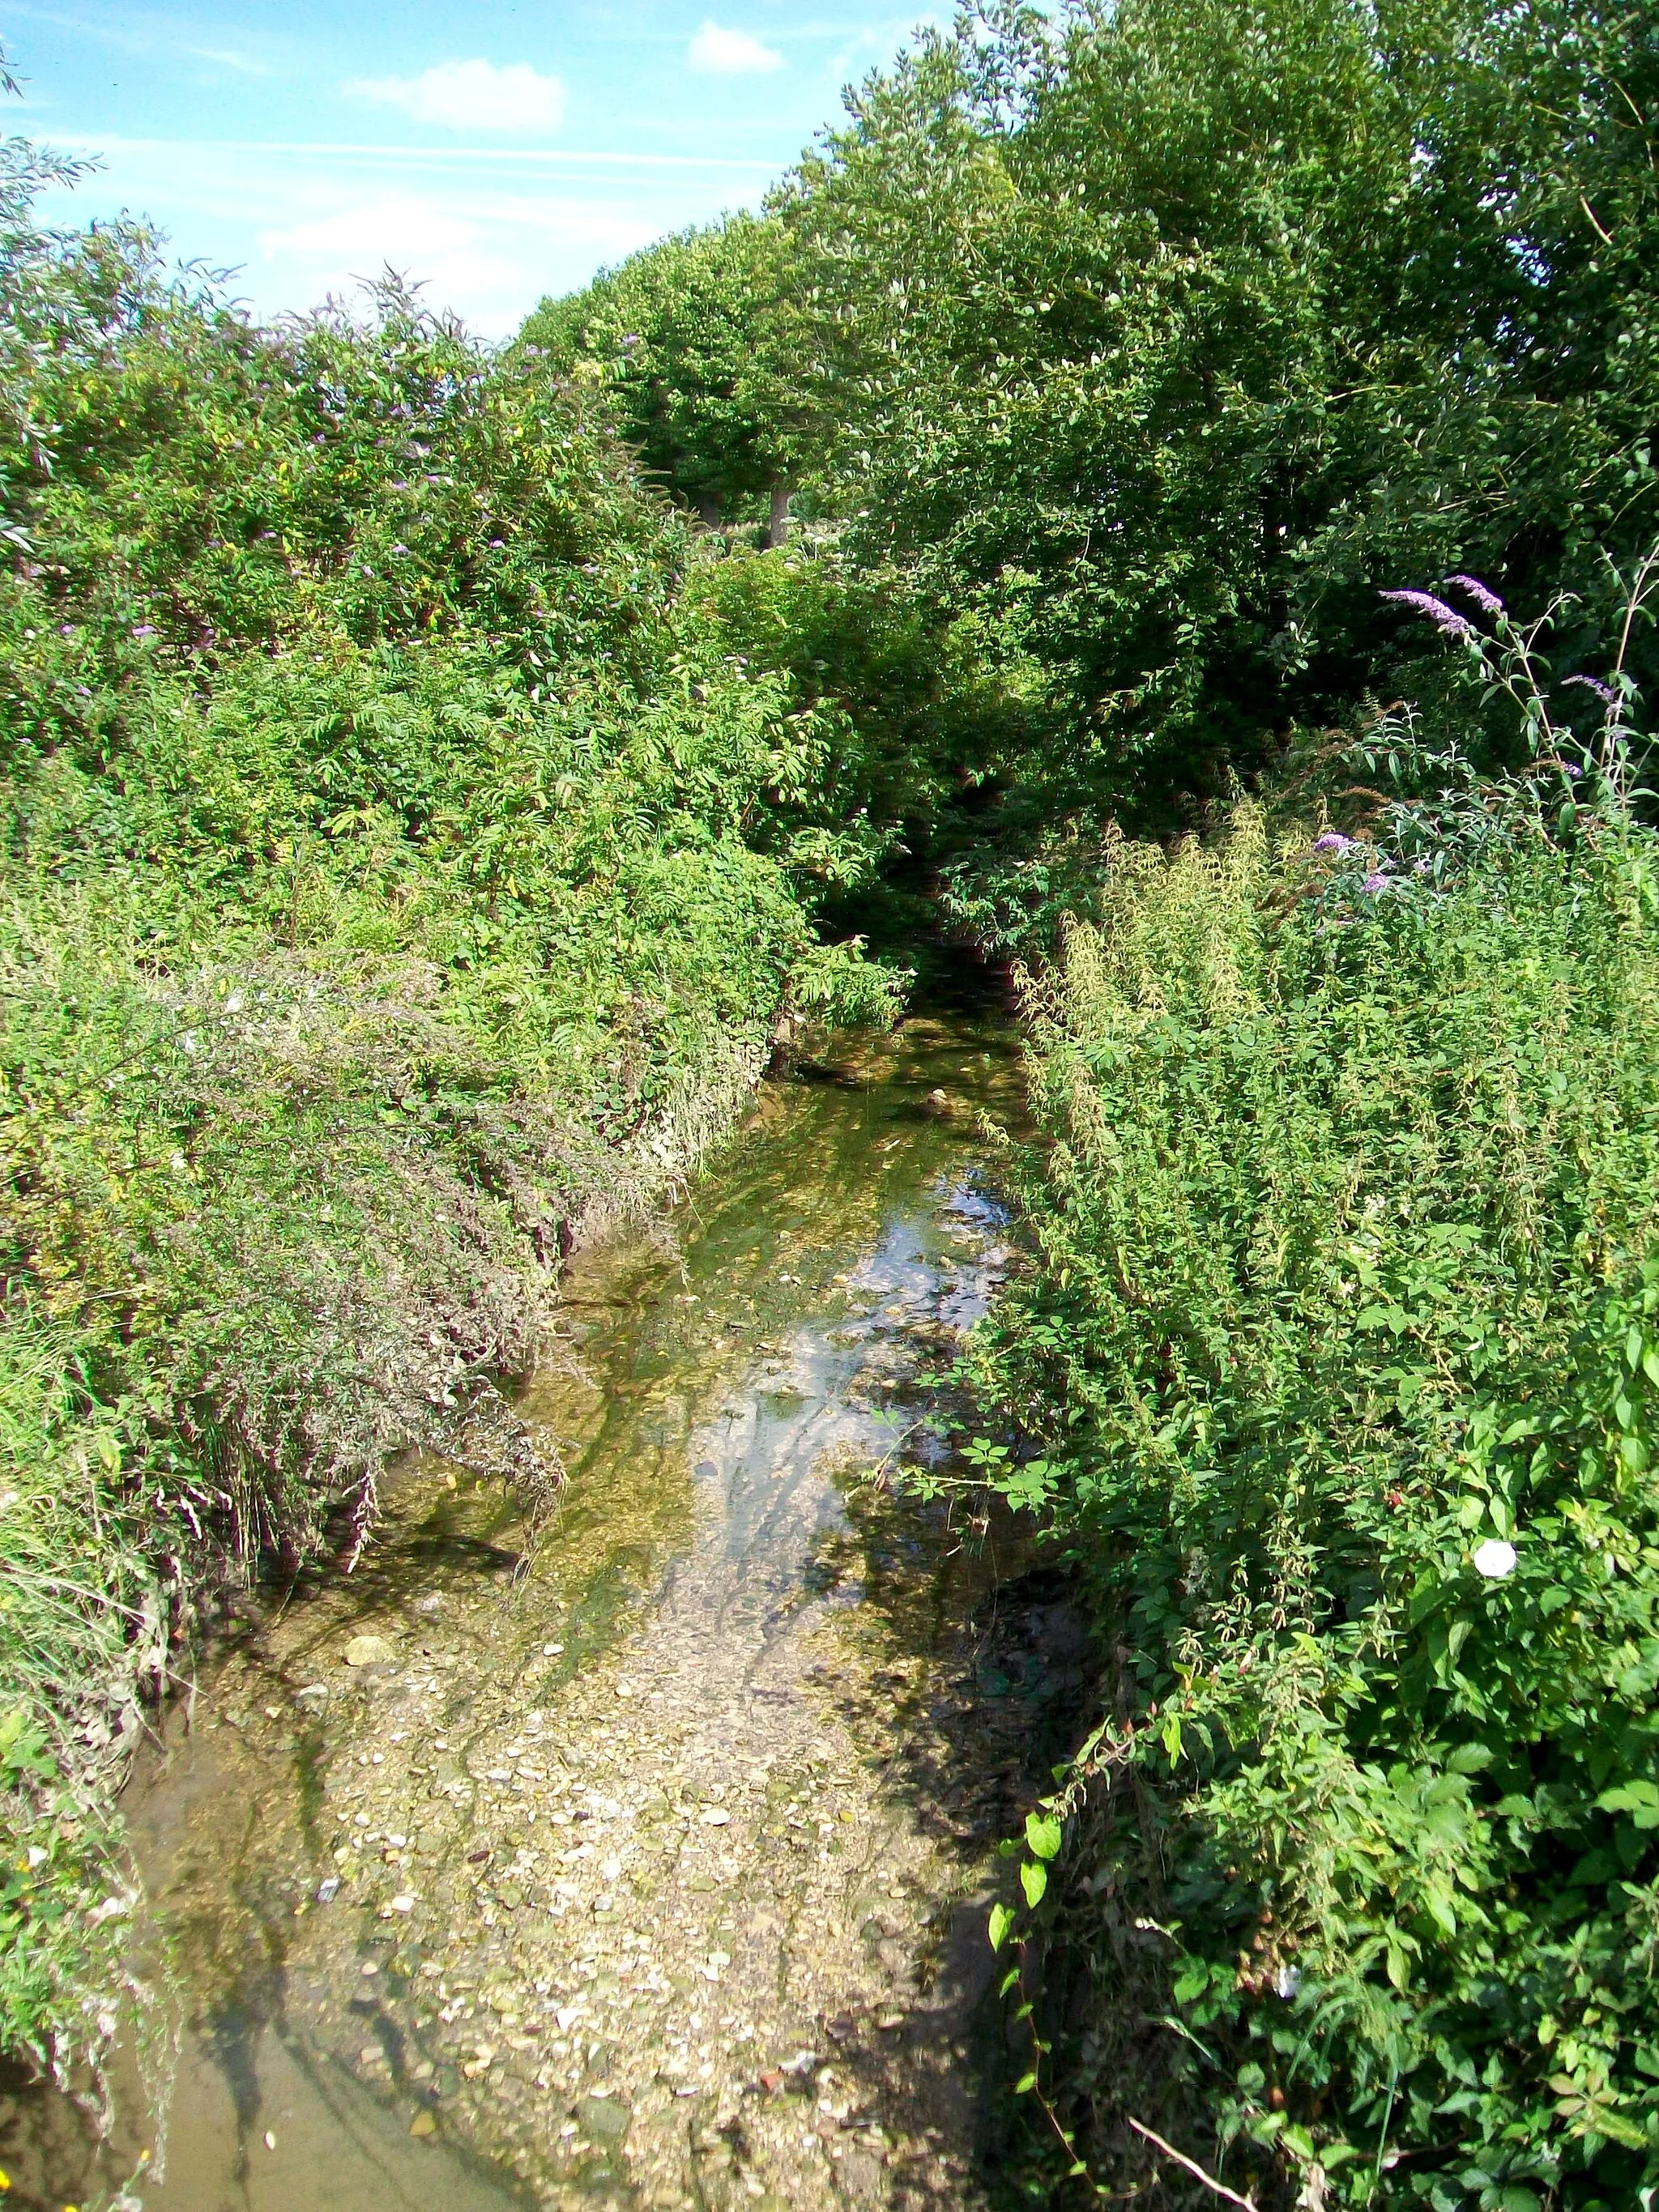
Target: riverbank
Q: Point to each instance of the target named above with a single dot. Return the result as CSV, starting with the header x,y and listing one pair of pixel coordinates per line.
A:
x,y
652,1855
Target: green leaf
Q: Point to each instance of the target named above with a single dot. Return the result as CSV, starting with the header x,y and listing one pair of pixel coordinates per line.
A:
x,y
1043,1835
1001,1922
1034,1880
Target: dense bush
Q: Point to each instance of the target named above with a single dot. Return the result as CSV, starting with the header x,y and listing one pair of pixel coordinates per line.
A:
x,y
1337,1380
690,343
1139,342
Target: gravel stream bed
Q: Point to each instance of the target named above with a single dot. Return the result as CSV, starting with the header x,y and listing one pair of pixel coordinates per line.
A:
x,y
647,1861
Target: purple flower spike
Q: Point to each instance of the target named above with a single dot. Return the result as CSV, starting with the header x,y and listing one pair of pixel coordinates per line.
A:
x,y
1332,842
1604,692
1443,618
1377,881
1483,594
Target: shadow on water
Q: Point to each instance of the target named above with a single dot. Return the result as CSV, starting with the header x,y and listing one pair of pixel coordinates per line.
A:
x,y
646,1864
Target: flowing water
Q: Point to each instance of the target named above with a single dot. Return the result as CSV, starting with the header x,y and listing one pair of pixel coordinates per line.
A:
x,y
646,1863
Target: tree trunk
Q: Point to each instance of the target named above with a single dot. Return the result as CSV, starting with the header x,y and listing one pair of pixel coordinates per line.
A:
x,y
777,525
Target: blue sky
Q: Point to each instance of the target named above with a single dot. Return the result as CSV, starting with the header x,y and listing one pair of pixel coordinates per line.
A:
x,y
498,149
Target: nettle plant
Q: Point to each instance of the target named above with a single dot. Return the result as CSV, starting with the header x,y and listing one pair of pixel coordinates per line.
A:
x,y
1337,1381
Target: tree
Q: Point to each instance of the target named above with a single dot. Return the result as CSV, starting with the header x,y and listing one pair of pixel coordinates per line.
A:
x,y
691,339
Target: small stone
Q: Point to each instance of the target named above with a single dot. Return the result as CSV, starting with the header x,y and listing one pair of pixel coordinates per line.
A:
x,y
715,1816
403,1903
424,2123
271,2140
427,1605
370,1651
328,1889
605,2118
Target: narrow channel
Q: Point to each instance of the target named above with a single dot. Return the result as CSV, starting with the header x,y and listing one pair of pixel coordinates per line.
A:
x,y
646,1861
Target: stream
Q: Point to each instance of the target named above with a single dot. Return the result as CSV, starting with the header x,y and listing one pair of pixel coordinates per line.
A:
x,y
643,1860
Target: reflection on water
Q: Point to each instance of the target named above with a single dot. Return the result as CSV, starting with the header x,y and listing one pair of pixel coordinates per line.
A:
x,y
647,1863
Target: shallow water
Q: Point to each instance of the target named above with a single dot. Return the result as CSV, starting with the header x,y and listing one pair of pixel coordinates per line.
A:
x,y
647,1863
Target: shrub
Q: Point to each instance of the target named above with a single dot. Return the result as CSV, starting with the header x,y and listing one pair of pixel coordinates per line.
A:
x,y
1337,1377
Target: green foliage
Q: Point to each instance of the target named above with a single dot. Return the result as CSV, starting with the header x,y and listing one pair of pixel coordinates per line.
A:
x,y
396,862
77,1611
691,343
1337,1375
1149,339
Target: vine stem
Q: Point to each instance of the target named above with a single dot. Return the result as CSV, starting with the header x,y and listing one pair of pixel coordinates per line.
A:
x,y
1220,2188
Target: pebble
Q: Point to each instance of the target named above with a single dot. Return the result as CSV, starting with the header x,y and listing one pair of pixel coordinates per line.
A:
x,y
370,1651
607,2118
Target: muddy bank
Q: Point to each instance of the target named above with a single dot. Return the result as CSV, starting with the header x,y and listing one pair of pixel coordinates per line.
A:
x,y
650,1863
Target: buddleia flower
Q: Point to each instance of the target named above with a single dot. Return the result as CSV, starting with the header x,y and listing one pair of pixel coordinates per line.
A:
x,y
1604,692
1442,616
1483,594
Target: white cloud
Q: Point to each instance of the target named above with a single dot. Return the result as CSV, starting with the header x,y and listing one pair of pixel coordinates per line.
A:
x,y
491,255
716,53
487,230
229,57
472,95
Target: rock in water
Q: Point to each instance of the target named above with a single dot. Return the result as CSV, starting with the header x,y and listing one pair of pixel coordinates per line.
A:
x,y
605,2118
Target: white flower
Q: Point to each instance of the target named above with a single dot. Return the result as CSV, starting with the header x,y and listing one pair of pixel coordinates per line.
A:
x,y
1495,1558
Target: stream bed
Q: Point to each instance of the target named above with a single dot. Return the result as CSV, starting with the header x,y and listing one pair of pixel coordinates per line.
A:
x,y
644,1861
